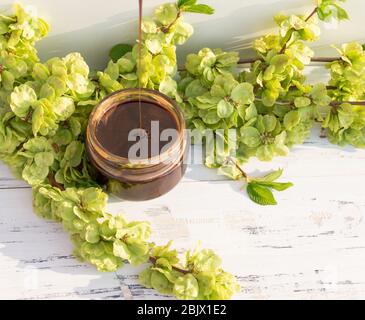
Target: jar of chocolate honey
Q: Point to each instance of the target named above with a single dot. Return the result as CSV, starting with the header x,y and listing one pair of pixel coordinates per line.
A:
x,y
136,140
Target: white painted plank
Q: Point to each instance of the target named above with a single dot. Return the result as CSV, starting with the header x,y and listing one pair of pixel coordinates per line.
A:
x,y
8,181
310,246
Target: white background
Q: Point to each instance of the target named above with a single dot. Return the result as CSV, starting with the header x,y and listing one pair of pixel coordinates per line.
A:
x,y
93,26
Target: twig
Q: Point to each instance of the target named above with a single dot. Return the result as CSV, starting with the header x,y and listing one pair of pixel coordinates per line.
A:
x,y
54,183
325,59
288,36
333,103
167,28
56,147
238,167
29,115
154,260
253,60
312,14
290,31
354,103
314,59
249,60
327,88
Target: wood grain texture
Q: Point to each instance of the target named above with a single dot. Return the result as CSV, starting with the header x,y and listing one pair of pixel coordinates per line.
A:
x,y
312,245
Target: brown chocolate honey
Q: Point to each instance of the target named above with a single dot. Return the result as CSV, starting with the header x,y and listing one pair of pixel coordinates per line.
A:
x,y
110,124
114,129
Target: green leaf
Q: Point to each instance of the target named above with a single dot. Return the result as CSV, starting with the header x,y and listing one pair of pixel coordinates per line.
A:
x,y
73,153
291,119
47,92
149,26
193,63
250,136
93,199
269,97
271,177
164,252
81,214
119,51
328,9
195,89
342,14
160,283
198,8
280,62
126,65
243,94
260,194
37,119
138,252
224,109
58,84
44,159
3,28
345,119
280,18
207,283
352,50
302,102
205,260
112,70
250,112
183,31
51,193
154,45
40,72
34,174
92,234
7,79
186,287
182,3
230,171
63,107
269,122
166,13
319,95
169,87
145,278
22,98
301,52
120,249
211,117
75,126
39,144
278,186
78,83
63,137
268,74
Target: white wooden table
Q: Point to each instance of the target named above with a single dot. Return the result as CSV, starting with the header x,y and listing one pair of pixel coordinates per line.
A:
x,y
312,245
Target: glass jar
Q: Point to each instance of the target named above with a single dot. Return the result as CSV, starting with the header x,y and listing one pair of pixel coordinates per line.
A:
x,y
138,180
